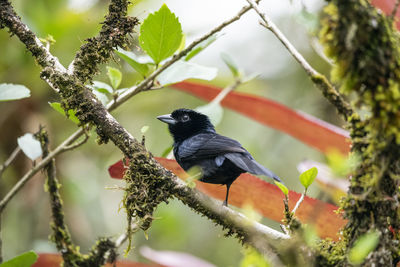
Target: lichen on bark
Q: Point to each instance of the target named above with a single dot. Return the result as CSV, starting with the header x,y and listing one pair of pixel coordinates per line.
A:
x,y
365,46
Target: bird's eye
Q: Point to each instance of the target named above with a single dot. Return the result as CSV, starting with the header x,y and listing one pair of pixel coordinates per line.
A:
x,y
185,118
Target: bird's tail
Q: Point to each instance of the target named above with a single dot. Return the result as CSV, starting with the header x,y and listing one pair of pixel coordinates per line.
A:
x,y
250,165
261,170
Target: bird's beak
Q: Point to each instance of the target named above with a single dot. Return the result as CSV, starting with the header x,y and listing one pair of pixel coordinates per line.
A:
x,y
167,119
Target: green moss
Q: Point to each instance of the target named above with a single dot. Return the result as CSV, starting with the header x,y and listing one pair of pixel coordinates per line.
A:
x,y
331,94
114,33
331,253
146,187
365,46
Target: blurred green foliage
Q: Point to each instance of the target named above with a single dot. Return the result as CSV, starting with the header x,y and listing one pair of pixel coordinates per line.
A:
x,y
91,209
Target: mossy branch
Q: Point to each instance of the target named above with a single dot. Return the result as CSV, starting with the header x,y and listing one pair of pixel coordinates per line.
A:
x,y
61,236
114,33
1,242
9,19
365,45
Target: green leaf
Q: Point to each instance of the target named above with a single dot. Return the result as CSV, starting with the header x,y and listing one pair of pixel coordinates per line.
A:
x,y
144,129
194,175
160,34
310,235
71,113
101,96
183,43
166,152
182,70
363,246
282,187
340,164
309,20
231,64
30,146
200,47
213,110
308,177
10,91
136,62
102,87
26,259
115,76
252,258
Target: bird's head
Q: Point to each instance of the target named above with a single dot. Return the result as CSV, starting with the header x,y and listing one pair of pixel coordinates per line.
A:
x,y
184,123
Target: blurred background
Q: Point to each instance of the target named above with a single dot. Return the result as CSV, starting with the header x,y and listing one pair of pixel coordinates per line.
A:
x,y
91,207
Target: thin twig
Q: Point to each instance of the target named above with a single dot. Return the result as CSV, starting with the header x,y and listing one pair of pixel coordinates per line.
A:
x,y
78,144
37,168
226,91
395,8
1,244
267,23
146,84
10,159
299,201
319,80
122,238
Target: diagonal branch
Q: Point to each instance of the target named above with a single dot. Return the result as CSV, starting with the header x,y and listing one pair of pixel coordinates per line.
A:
x,y
21,182
320,81
395,8
9,19
10,159
1,243
147,83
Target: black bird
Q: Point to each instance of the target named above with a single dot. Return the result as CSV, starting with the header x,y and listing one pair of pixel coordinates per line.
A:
x,y
220,159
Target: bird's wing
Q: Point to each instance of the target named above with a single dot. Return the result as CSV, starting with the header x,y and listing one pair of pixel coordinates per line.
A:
x,y
208,145
212,145
247,163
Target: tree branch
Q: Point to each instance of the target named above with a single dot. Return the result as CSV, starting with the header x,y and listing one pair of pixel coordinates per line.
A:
x,y
10,159
318,79
1,243
9,19
395,8
147,83
114,33
61,236
38,167
226,91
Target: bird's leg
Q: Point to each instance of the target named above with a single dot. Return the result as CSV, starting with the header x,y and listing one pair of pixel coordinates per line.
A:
x,y
227,194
